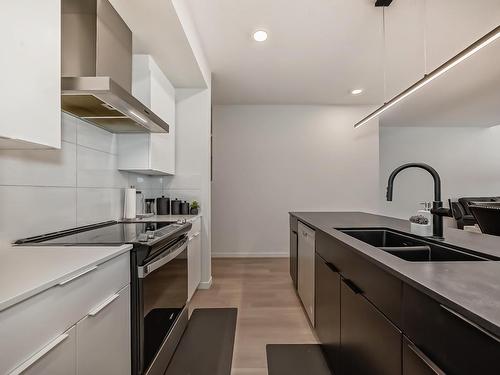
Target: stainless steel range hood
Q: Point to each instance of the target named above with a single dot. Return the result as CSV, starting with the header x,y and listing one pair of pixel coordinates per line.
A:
x,y
97,70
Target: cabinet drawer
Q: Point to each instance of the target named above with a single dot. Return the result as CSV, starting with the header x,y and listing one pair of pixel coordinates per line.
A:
x,y
370,343
28,326
451,341
378,286
57,357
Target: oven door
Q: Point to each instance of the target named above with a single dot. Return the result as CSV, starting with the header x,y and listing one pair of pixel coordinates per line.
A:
x,y
163,294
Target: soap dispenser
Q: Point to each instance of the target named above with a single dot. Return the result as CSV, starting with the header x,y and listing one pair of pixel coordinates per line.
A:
x,y
426,212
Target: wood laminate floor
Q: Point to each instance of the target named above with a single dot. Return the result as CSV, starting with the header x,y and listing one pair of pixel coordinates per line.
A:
x,y
269,311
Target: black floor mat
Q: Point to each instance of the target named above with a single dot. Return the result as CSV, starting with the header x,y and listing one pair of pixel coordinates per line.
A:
x,y
296,359
206,347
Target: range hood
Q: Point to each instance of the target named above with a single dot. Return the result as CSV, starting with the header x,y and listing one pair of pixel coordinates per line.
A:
x,y
97,70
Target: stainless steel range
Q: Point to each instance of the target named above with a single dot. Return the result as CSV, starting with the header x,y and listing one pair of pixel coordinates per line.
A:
x,y
158,266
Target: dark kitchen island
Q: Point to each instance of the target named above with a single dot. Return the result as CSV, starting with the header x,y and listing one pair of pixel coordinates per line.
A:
x,y
376,313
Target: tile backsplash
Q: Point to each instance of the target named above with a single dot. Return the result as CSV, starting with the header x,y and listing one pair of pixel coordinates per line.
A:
x,y
48,190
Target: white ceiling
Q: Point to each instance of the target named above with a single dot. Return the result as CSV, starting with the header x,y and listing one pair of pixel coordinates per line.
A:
x,y
157,31
316,53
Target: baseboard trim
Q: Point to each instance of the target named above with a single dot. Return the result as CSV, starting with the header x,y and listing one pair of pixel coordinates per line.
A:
x,y
274,254
205,284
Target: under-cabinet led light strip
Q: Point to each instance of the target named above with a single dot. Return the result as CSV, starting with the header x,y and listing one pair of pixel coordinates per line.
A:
x,y
469,51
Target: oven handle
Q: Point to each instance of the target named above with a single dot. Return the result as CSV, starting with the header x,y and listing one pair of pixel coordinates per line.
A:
x,y
144,271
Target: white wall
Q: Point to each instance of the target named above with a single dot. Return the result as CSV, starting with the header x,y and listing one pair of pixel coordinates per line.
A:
x,y
48,190
269,160
467,160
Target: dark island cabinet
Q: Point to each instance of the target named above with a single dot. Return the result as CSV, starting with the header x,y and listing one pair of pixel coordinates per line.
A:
x,y
371,344
369,321
449,339
379,287
328,311
293,250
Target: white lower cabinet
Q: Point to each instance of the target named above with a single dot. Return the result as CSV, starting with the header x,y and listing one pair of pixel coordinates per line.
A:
x,y
79,326
194,258
103,337
56,358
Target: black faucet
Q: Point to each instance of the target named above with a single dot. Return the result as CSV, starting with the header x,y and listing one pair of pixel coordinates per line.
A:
x,y
438,211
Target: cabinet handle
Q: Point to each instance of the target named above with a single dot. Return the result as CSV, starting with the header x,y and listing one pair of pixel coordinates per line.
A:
x,y
194,236
355,289
430,364
332,266
96,310
463,318
37,356
64,282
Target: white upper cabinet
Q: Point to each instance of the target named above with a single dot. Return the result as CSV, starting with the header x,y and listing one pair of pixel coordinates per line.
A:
x,y
404,45
150,153
453,25
30,82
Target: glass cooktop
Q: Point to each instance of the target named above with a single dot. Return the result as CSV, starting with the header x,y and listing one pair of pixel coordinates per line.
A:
x,y
112,233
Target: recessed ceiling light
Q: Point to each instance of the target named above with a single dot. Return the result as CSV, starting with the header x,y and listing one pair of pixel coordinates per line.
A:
x,y
356,91
260,35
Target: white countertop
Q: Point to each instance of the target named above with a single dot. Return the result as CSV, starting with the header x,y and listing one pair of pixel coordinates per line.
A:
x,y
26,271
161,218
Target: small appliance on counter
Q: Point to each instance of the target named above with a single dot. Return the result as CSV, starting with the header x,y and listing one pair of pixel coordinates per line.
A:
x,y
150,206
163,206
141,211
175,205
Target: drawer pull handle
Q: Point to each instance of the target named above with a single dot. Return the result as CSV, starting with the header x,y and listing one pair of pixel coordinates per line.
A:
x,y
355,289
96,310
37,356
461,317
194,236
426,360
88,270
332,266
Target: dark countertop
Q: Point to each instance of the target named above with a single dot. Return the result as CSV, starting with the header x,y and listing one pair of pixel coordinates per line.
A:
x,y
470,288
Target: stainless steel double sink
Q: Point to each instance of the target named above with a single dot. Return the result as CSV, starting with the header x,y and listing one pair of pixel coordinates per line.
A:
x,y
413,248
